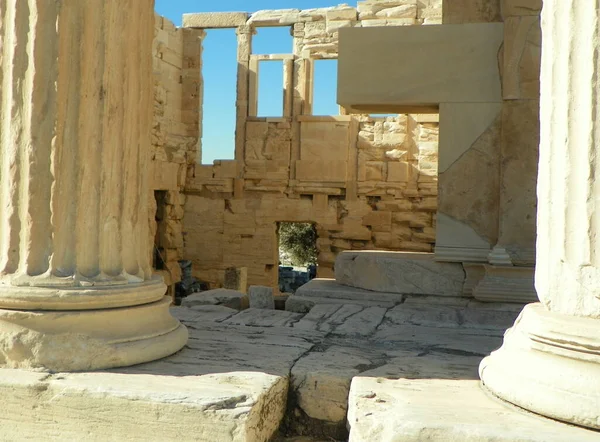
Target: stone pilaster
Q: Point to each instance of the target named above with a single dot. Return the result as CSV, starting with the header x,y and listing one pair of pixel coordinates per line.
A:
x,y
244,51
550,360
76,289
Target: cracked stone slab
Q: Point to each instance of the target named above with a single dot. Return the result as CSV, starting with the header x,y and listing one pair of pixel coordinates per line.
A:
x,y
475,315
473,342
264,318
134,406
399,272
450,410
363,323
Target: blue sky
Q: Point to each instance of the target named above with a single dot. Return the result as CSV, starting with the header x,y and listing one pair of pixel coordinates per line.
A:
x,y
220,69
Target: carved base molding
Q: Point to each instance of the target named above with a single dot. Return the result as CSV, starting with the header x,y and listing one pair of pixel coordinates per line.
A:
x,y
549,364
461,254
506,284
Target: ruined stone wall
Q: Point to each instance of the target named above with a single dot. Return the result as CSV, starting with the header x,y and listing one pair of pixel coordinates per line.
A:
x,y
175,133
366,182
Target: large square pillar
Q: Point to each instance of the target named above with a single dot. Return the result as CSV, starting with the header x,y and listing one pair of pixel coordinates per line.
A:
x,y
76,289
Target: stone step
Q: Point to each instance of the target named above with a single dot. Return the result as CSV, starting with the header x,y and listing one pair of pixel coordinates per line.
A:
x,y
399,272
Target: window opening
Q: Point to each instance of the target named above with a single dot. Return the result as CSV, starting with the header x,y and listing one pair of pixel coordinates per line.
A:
x,y
270,88
273,40
219,72
325,87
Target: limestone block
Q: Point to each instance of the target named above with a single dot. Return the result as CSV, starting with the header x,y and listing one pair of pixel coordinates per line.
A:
x,y
166,402
225,297
506,284
398,272
326,140
371,171
344,13
210,20
372,63
321,382
413,219
425,409
321,171
522,58
236,278
327,290
398,172
511,8
164,175
518,198
469,153
261,297
472,11
402,11
378,221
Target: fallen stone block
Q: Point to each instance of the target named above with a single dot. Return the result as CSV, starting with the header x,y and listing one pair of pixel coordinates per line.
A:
x,y
261,297
399,272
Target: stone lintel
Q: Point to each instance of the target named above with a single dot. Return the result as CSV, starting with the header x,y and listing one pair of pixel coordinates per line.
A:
x,y
215,20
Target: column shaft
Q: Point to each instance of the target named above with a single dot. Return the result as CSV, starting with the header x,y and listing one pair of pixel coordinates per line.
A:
x,y
549,362
75,118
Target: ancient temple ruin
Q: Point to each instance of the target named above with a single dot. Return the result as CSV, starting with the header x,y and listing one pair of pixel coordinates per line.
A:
x,y
461,163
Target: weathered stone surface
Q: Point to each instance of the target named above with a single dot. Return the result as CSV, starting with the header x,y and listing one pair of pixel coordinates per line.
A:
x,y
257,317
331,289
472,11
261,297
473,72
210,20
397,272
518,198
511,8
236,279
478,164
321,382
225,297
522,57
416,410
124,406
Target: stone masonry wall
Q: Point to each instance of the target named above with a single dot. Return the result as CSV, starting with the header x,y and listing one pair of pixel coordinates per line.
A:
x,y
366,182
175,133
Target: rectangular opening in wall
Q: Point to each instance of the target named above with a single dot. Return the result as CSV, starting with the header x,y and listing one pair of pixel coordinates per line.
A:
x,y
297,255
270,88
273,40
219,72
158,252
324,95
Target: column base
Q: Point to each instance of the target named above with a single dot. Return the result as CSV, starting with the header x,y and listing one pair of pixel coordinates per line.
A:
x,y
506,284
89,339
549,364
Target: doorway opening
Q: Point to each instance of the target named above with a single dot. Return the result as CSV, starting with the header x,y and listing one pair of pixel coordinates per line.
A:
x,y
297,255
158,252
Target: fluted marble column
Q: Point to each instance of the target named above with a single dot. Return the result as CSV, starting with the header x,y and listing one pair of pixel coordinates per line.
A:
x,y
550,360
76,290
